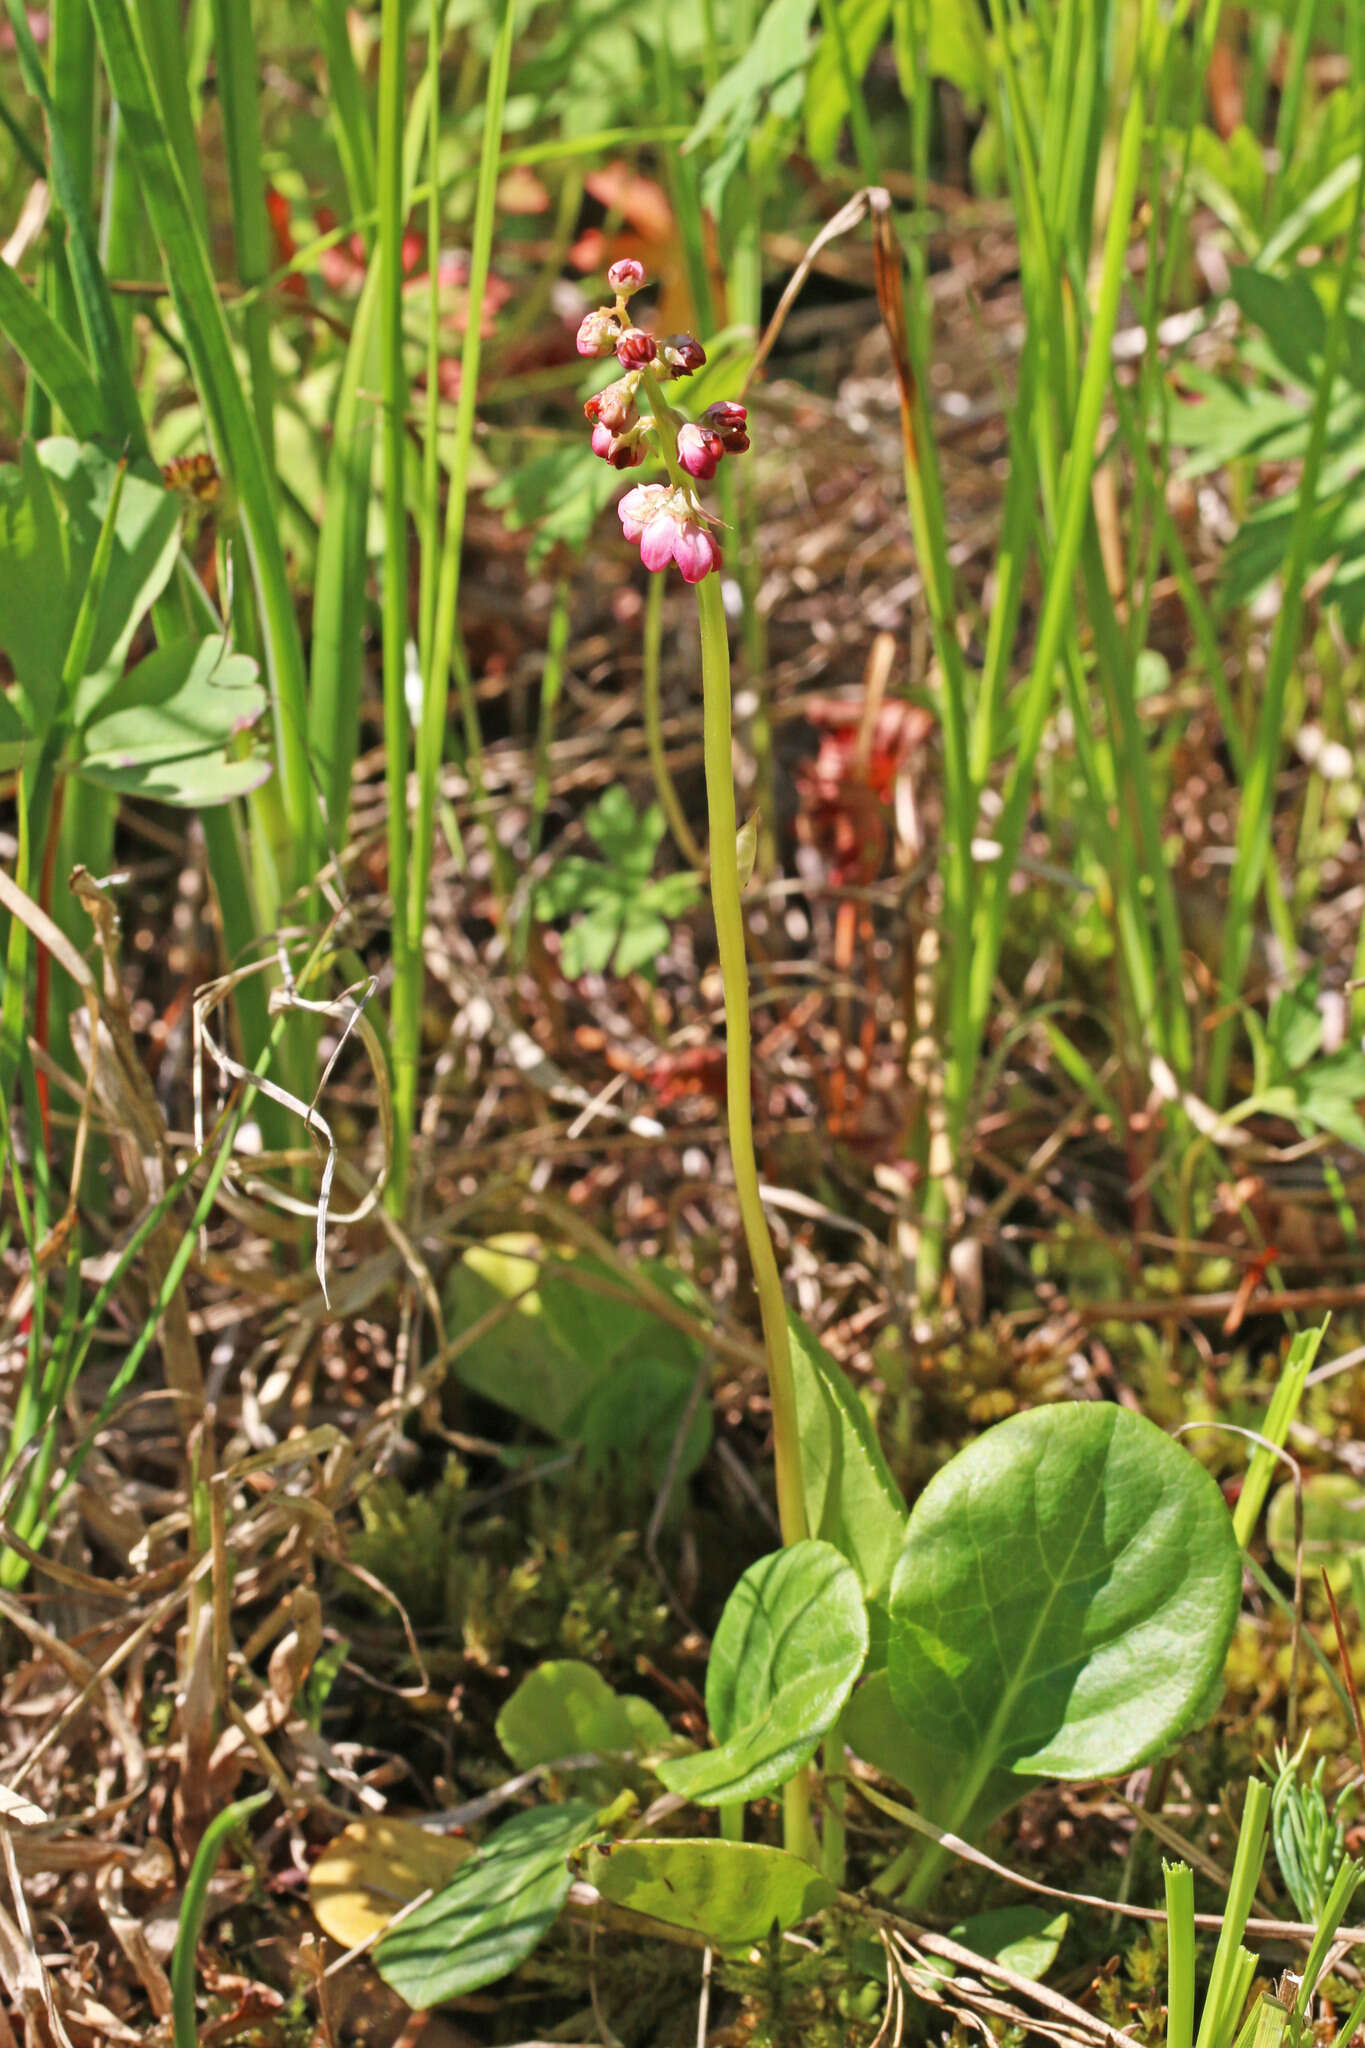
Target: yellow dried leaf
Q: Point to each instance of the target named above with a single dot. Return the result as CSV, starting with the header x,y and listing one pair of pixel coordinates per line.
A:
x,y
374,1867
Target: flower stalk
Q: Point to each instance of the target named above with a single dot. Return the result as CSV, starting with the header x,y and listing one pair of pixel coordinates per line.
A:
x,y
734,970
668,524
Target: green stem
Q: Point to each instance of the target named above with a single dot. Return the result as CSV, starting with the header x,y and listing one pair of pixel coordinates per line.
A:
x,y
397,724
834,1831
664,787
729,917
192,1908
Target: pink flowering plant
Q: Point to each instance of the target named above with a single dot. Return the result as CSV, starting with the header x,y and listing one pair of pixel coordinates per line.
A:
x,y
667,522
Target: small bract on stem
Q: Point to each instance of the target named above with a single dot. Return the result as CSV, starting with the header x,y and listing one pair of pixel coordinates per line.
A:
x,y
668,523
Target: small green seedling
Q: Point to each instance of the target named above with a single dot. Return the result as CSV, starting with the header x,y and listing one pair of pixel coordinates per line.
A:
x,y
622,917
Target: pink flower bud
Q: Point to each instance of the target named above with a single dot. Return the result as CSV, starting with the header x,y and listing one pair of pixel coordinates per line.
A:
x,y
626,276
683,353
728,420
619,450
694,550
597,333
613,406
639,506
635,349
699,449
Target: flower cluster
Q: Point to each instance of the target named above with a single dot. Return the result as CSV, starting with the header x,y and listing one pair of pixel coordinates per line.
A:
x,y
666,521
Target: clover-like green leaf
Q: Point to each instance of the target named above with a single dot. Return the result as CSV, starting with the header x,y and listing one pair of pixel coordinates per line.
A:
x,y
164,730
1062,1608
493,1912
623,914
734,1893
790,1644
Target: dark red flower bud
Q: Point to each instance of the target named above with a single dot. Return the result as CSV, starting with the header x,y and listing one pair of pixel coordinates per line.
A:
x,y
729,421
683,353
635,349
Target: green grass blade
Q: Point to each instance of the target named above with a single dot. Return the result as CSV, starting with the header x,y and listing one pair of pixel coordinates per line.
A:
x,y
1058,602
1284,1406
238,93
94,300
1256,815
51,355
1179,1955
346,104
190,277
436,685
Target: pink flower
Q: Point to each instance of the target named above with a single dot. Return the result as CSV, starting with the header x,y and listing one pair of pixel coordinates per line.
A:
x,y
658,540
682,353
621,451
729,421
614,406
635,349
694,550
669,528
699,449
626,276
597,333
639,506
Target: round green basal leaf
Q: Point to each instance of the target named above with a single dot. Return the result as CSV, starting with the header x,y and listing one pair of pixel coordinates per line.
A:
x,y
564,1709
733,1893
791,1642
1024,1938
1333,1528
492,1913
1062,1607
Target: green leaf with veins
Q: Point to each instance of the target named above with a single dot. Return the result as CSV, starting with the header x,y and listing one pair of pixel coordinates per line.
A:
x,y
789,1647
492,1913
1062,1608
734,1893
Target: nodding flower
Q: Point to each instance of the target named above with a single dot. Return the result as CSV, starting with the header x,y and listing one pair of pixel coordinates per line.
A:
x,y
614,406
668,526
699,449
622,451
665,521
